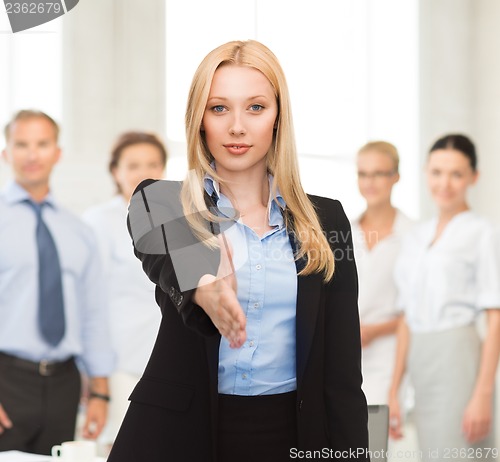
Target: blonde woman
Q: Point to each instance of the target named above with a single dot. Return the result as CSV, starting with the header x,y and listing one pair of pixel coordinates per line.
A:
x,y
448,273
377,235
263,363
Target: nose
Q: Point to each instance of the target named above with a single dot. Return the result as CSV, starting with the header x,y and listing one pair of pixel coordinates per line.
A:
x,y
237,127
445,182
32,153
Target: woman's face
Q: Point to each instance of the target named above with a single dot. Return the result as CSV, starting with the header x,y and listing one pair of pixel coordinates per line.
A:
x,y
239,120
376,177
449,175
137,162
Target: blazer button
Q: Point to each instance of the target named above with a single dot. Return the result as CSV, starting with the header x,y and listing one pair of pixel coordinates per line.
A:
x,y
300,405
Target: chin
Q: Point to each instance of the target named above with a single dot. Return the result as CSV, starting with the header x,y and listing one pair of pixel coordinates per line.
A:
x,y
445,201
447,205
375,201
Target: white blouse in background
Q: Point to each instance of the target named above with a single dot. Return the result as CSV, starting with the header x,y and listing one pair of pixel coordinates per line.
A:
x,y
444,285
134,315
377,303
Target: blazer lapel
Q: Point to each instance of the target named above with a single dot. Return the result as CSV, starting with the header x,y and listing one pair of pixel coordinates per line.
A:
x,y
308,299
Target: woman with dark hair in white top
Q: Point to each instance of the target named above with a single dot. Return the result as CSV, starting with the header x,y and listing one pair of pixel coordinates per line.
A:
x,y
448,273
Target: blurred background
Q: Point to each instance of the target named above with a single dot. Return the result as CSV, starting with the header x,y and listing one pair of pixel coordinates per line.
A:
x,y
402,70
406,71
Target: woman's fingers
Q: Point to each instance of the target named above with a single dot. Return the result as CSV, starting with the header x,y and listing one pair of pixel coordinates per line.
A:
x,y
5,422
476,430
218,297
232,320
395,423
476,423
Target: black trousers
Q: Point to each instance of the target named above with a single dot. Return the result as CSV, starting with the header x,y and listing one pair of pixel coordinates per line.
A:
x,y
42,403
257,428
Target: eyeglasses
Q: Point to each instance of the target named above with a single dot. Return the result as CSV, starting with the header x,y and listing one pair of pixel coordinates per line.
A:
x,y
376,175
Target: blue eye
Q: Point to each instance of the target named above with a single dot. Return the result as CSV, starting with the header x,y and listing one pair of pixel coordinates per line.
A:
x,y
218,108
256,107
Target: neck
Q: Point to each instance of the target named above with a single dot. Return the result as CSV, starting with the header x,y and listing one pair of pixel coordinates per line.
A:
x,y
379,213
446,215
38,192
247,191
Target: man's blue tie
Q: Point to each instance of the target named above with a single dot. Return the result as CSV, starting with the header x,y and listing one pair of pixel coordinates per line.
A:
x,y
50,295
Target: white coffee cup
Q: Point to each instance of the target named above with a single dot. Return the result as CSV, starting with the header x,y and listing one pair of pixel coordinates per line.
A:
x,y
75,451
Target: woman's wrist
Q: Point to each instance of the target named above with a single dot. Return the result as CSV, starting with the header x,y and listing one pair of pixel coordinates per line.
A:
x,y
198,295
101,396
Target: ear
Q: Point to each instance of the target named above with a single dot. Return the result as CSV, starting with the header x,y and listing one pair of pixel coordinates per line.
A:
x,y
5,156
113,172
475,178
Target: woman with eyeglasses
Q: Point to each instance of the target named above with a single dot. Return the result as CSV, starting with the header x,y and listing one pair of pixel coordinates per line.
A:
x,y
448,274
377,237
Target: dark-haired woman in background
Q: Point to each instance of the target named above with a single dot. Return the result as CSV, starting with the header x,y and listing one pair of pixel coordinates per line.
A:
x,y
134,316
448,272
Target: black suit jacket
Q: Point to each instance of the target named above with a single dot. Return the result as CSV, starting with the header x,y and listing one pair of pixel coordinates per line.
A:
x,y
173,411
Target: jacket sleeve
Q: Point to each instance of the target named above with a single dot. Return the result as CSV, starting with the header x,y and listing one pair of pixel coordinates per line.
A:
x,y
346,402
172,257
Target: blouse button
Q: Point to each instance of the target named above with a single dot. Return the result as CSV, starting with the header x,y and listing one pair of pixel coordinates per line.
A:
x,y
258,267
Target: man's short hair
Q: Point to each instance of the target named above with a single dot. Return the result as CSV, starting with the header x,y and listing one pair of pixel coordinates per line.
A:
x,y
25,114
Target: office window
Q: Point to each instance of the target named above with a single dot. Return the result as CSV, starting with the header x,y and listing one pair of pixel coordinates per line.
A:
x,y
30,72
352,69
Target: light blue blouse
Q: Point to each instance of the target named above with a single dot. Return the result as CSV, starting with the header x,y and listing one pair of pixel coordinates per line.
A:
x,y
267,291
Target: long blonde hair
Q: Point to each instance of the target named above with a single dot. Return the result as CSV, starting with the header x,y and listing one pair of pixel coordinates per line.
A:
x,y
300,216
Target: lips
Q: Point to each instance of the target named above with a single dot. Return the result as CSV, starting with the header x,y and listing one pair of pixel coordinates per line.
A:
x,y
31,168
237,148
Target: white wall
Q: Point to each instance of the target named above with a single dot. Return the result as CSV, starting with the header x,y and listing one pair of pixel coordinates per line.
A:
x,y
485,93
113,80
460,90
350,80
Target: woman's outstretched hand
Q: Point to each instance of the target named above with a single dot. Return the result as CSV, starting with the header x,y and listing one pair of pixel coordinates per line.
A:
x,y
217,296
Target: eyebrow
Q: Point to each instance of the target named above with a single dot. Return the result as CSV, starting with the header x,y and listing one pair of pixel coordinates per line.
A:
x,y
221,98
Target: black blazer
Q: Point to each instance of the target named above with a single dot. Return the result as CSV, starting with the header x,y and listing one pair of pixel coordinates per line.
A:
x,y
173,410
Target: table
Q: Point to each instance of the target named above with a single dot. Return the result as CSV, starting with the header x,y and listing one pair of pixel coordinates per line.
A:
x,y
18,456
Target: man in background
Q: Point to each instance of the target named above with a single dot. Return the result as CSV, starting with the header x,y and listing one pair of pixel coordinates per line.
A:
x,y
51,301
